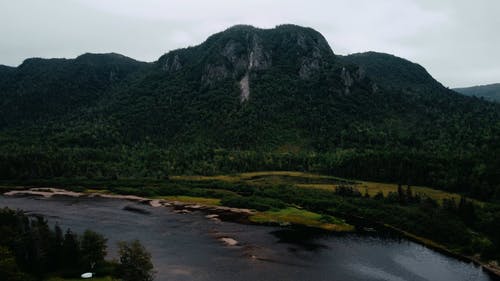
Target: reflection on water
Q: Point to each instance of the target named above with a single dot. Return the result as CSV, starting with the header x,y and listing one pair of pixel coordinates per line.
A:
x,y
188,246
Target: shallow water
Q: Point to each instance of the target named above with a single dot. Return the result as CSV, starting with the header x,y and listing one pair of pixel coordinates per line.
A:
x,y
186,246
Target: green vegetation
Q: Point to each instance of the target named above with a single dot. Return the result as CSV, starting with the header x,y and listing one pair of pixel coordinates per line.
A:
x,y
301,217
192,200
106,122
309,180
436,218
30,250
110,117
135,262
34,251
253,202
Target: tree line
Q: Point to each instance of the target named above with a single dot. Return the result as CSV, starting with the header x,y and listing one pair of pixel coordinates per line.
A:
x,y
468,174
31,250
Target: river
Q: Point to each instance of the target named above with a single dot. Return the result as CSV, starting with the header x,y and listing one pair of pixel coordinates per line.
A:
x,y
188,246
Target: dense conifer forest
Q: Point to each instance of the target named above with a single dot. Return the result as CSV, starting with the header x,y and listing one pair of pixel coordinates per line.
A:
x,y
107,118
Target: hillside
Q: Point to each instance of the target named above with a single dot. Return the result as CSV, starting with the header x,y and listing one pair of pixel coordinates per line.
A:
x,y
42,89
246,99
489,92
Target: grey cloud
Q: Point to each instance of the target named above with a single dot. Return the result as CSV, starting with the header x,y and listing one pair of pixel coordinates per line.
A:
x,y
456,41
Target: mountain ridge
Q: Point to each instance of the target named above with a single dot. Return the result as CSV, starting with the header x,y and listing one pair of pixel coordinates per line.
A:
x,y
60,82
242,100
489,92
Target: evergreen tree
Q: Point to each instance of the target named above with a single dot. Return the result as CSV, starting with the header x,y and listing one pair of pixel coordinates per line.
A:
x,y
56,245
71,251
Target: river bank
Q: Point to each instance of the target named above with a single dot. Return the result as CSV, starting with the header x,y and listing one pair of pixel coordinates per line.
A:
x,y
189,246
234,214
216,213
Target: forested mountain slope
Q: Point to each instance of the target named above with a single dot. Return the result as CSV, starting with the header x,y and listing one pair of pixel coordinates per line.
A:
x,y
246,99
42,89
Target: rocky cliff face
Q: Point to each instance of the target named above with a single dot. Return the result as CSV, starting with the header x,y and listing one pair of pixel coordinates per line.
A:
x,y
237,58
241,50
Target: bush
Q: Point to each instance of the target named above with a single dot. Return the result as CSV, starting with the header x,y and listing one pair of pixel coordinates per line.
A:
x,y
135,262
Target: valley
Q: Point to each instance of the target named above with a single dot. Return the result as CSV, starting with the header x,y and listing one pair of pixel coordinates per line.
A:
x,y
267,132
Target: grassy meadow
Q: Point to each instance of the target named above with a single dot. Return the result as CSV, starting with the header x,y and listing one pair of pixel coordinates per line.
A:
x,y
316,181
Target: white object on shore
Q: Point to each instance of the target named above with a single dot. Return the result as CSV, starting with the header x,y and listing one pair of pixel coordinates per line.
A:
x,y
87,275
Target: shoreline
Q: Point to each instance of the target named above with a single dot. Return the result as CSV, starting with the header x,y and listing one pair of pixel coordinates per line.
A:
x,y
492,269
237,215
48,192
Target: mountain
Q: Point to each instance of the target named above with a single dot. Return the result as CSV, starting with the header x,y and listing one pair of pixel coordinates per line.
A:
x,y
246,99
41,89
243,88
394,72
489,92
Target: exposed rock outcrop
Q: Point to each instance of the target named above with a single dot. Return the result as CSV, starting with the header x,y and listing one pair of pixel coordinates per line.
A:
x,y
238,58
245,88
345,75
242,50
172,63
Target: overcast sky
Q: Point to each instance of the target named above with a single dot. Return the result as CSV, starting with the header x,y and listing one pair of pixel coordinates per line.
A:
x,y
457,41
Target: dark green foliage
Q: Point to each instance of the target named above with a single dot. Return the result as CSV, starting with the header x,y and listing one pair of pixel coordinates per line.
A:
x,y
465,227
253,202
9,270
371,116
93,250
71,251
379,196
29,250
146,122
350,191
391,71
56,249
135,262
40,90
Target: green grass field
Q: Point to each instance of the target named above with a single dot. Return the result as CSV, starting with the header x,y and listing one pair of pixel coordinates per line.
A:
x,y
293,215
310,180
266,177
298,216
191,200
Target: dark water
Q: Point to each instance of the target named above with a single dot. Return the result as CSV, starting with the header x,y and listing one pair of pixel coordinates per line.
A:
x,y
186,246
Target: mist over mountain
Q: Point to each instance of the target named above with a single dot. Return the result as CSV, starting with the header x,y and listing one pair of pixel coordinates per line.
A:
x,y
246,99
489,92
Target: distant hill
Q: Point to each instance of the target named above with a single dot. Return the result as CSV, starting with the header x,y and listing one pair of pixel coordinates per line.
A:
x,y
245,99
490,92
41,89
